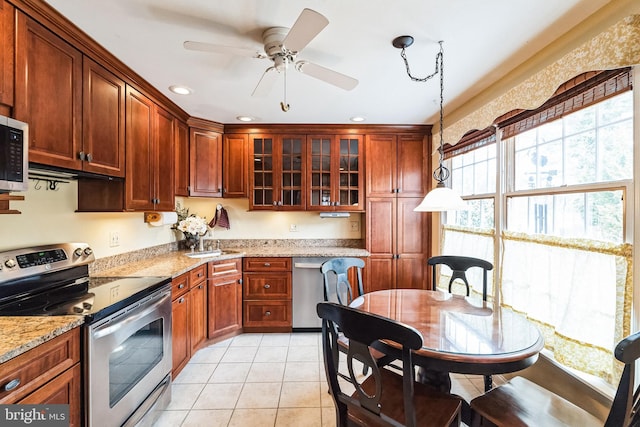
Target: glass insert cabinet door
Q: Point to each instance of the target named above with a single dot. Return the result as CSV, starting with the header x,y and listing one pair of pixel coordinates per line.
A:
x,y
334,173
278,172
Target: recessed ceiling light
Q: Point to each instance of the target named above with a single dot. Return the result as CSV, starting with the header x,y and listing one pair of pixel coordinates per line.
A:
x,y
245,118
357,119
180,90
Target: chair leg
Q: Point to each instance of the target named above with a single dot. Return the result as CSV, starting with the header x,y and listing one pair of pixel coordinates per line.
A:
x,y
488,383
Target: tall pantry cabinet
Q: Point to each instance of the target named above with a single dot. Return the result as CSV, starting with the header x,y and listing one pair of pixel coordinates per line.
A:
x,y
397,238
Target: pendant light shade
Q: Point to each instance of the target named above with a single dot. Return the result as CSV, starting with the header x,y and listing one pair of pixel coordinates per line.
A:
x,y
440,198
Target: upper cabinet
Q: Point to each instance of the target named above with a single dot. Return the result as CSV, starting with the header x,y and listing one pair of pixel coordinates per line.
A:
x,y
205,166
397,165
7,51
277,173
149,182
48,94
235,157
181,158
75,107
334,173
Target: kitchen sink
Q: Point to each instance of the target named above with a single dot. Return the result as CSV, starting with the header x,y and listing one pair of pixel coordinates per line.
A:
x,y
207,254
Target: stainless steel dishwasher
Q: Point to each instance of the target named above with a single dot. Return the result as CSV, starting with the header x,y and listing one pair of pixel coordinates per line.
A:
x,y
307,293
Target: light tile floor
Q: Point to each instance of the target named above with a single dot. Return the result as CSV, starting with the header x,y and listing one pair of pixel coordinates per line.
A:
x,y
255,380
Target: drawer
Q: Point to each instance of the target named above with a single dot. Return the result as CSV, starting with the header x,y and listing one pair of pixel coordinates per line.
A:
x,y
267,286
267,313
223,268
267,264
197,275
179,285
36,367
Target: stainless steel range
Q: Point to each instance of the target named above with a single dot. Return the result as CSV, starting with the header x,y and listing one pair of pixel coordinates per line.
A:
x,y
126,334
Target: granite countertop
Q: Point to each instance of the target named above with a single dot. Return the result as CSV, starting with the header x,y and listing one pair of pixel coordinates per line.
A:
x,y
20,334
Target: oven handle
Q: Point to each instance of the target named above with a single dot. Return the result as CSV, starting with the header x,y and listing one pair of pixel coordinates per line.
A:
x,y
109,327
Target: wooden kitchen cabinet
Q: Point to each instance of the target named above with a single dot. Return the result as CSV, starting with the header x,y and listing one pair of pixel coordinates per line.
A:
x,y
188,316
48,373
181,157
205,166
267,294
334,173
7,51
224,287
235,166
48,94
149,182
277,173
396,236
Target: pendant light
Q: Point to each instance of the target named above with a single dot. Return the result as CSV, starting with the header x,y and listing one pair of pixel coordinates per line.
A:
x,y
441,198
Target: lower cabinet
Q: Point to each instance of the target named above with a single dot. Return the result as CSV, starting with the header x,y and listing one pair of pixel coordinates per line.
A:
x,y
267,295
224,288
47,374
188,316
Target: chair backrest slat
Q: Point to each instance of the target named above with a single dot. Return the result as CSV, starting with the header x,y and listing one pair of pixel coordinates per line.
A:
x,y
459,266
342,293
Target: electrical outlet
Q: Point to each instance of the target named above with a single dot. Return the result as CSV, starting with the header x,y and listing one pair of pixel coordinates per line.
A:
x,y
293,227
114,239
114,293
354,226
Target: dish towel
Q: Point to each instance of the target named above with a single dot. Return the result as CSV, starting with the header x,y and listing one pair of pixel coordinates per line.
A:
x,y
221,218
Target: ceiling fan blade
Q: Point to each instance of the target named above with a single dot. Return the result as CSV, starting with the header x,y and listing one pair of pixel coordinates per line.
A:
x,y
307,26
209,47
266,82
326,75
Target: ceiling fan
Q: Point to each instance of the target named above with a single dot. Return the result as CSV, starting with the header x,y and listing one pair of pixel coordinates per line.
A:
x,y
282,45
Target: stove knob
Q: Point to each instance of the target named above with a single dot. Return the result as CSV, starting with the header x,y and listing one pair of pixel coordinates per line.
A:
x,y
10,263
77,309
88,251
86,306
78,252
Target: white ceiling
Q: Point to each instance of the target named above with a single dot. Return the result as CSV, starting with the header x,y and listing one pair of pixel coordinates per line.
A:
x,y
483,40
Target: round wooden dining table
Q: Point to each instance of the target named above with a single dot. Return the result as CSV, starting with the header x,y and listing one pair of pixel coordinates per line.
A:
x,y
460,334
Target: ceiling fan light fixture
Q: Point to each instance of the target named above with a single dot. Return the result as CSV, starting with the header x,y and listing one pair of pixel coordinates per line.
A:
x,y
181,90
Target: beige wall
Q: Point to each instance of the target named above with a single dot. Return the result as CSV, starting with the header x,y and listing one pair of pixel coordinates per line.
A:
x,y
50,217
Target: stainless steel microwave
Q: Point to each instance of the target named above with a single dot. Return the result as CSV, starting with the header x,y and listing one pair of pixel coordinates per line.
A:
x,y
14,155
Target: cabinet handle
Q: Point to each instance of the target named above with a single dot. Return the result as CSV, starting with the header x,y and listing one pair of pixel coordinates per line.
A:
x,y
267,264
219,189
181,300
199,274
280,203
14,383
275,203
267,286
181,286
81,155
89,157
267,313
199,286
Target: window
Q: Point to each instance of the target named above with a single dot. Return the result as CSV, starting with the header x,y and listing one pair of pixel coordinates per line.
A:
x,y
566,256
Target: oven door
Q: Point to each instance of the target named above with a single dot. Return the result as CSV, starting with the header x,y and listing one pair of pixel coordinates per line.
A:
x,y
128,361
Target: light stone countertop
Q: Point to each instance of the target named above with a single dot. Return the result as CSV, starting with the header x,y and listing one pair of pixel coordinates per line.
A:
x,y
20,334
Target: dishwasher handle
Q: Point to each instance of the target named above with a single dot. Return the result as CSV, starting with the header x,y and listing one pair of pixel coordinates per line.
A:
x,y
313,265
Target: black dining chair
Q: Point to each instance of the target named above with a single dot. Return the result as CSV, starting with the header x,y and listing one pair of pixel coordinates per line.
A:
x,y
385,397
338,288
520,402
459,266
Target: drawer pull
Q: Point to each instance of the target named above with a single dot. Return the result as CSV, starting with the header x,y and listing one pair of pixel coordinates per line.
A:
x,y
181,286
267,286
14,383
267,264
181,300
267,313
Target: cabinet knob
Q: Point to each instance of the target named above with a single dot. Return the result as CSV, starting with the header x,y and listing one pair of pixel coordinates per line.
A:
x,y
267,264
14,383
81,155
267,313
89,157
275,203
267,286
181,286
199,286
181,300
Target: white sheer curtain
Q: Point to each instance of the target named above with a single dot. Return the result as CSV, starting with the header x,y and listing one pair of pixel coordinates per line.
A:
x,y
576,291
470,242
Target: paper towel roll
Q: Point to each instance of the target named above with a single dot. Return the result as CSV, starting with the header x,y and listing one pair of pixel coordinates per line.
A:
x,y
166,218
